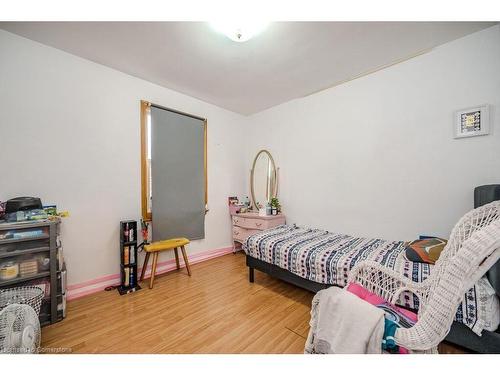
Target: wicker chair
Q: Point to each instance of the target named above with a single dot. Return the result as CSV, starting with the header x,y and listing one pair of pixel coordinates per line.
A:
x,y
474,247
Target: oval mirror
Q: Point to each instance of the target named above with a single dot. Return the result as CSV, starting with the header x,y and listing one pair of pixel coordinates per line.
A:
x,y
263,178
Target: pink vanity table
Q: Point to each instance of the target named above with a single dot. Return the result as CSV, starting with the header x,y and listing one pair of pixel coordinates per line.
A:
x,y
250,223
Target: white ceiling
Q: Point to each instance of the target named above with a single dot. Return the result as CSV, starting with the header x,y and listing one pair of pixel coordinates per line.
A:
x,y
286,61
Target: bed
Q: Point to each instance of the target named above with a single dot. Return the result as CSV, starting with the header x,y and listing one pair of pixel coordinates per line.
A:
x,y
315,259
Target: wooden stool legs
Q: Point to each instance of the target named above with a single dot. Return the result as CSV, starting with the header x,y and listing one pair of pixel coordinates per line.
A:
x,y
184,255
144,266
176,251
153,270
155,261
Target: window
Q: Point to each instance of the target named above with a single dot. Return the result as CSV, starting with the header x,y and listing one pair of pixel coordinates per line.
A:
x,y
174,162
146,197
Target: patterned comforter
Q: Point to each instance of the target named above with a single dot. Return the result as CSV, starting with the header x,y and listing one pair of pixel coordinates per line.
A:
x,y
327,258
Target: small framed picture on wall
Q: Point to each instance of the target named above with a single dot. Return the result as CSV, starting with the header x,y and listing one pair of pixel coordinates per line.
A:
x,y
472,121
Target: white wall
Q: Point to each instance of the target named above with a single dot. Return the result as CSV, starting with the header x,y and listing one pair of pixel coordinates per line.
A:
x,y
70,134
376,156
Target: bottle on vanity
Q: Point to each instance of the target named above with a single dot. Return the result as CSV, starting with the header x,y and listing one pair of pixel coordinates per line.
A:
x,y
269,209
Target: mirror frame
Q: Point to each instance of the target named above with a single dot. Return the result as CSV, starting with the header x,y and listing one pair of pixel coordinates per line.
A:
x,y
275,187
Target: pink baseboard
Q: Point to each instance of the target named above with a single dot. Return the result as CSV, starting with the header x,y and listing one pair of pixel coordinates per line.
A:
x,y
98,284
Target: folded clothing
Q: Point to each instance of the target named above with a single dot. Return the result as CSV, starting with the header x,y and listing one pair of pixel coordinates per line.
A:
x,y
342,323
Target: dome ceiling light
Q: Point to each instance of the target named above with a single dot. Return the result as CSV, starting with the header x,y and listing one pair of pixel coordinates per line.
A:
x,y
239,31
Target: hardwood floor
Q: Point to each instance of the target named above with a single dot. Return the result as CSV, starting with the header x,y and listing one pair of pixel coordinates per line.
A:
x,y
216,310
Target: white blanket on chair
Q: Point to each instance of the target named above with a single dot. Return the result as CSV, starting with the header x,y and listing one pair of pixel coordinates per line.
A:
x,y
343,323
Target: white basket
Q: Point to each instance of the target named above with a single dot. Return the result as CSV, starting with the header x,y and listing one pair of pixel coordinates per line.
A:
x,y
25,295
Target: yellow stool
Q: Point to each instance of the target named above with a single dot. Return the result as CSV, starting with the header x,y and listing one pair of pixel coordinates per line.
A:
x,y
156,247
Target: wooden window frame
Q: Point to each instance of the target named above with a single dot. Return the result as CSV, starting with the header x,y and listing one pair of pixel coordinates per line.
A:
x,y
145,111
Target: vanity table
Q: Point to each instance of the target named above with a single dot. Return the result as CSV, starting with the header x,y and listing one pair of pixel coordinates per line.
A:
x,y
250,223
264,187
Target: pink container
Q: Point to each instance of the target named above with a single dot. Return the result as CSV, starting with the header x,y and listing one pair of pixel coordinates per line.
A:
x,y
234,209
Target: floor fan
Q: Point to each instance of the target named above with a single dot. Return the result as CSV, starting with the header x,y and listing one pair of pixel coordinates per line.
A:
x,y
19,329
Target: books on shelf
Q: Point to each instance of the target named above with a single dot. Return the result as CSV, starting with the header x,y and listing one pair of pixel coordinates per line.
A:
x,y
129,231
125,254
129,279
128,255
127,275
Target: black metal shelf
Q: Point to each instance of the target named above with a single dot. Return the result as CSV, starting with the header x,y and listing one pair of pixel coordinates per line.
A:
x,y
128,271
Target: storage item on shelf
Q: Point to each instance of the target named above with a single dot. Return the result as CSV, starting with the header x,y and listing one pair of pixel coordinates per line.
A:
x,y
30,215
127,277
131,256
50,210
129,229
9,270
20,234
43,262
22,204
28,267
125,254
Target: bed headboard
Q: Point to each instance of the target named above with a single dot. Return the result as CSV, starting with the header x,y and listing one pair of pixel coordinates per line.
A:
x,y
482,195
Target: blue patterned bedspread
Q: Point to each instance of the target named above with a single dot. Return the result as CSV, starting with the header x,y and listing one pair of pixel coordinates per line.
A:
x,y
327,258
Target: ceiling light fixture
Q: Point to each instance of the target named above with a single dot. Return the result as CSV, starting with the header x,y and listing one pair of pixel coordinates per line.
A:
x,y
239,31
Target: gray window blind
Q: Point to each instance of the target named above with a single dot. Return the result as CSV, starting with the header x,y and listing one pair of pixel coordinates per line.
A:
x,y
178,175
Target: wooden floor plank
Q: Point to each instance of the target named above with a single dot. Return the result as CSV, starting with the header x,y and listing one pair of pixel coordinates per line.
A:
x,y
216,310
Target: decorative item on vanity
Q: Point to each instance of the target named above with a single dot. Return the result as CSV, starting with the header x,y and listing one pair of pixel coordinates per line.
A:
x,y
128,257
275,206
246,202
250,223
472,121
269,209
234,205
262,209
